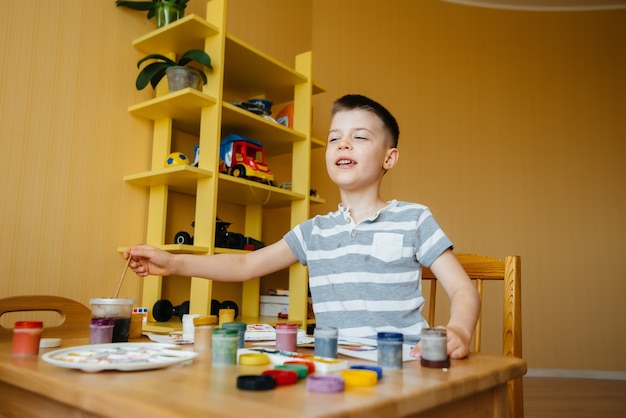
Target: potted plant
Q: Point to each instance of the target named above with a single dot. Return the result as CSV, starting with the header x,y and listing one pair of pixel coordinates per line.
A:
x,y
165,11
175,70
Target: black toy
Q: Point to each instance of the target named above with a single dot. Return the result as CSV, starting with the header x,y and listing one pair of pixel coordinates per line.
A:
x,y
163,310
223,238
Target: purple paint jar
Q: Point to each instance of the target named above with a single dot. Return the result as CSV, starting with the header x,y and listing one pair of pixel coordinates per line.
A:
x,y
101,331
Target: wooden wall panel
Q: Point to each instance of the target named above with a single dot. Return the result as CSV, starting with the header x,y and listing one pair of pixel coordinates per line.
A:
x,y
68,76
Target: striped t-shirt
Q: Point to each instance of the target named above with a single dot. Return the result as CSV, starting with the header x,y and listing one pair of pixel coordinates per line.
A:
x,y
366,278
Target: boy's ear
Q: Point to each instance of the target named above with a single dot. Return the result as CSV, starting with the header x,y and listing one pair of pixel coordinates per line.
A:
x,y
391,159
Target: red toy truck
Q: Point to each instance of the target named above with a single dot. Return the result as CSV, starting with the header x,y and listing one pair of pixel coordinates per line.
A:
x,y
243,157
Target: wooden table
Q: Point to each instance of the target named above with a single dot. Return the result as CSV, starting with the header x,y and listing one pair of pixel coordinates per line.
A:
x,y
475,386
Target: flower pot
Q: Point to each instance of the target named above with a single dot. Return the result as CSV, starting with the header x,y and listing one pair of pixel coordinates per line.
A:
x,y
182,77
167,13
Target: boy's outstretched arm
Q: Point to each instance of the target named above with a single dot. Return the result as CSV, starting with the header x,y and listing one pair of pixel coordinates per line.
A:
x,y
147,260
464,305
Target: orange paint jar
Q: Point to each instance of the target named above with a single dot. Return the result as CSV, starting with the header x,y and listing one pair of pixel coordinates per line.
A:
x,y
26,336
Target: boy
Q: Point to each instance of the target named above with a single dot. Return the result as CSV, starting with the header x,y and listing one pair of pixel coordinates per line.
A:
x,y
364,259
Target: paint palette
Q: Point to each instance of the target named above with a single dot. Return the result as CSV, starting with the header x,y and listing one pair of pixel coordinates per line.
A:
x,y
119,356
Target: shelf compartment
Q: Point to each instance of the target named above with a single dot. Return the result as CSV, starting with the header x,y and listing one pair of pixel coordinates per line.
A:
x,y
317,200
251,72
246,192
183,106
276,138
182,178
187,33
317,143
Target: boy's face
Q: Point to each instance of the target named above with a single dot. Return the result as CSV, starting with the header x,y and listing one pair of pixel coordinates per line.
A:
x,y
358,151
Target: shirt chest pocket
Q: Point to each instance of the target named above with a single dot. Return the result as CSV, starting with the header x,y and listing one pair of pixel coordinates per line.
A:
x,y
387,246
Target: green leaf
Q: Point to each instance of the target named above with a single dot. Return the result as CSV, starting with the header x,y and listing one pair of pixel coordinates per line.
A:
x,y
197,55
155,57
136,5
152,73
203,76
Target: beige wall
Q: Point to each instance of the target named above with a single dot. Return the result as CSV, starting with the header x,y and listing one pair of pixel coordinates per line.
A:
x,y
512,131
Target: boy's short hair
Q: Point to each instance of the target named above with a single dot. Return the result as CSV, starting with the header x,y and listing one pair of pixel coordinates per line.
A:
x,y
356,101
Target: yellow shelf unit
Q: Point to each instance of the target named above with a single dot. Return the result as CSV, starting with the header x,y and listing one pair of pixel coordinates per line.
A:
x,y
179,178
211,115
189,32
183,107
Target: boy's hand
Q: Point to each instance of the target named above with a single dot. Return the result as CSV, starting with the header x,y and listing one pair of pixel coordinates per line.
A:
x,y
457,344
147,260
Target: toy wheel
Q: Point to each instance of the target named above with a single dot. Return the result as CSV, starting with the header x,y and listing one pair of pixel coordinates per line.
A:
x,y
162,310
183,237
215,307
238,171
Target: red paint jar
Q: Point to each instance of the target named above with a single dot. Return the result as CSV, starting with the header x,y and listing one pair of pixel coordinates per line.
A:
x,y
286,337
26,336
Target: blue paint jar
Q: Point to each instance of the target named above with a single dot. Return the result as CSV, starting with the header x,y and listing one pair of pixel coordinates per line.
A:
x,y
390,350
325,342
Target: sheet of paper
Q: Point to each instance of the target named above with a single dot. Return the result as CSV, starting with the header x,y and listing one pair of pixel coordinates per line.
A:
x,y
367,349
260,332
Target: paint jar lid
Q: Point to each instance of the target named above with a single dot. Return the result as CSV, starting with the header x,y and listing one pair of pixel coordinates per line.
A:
x,y
283,377
239,326
325,384
309,364
286,327
254,359
301,369
378,370
221,332
205,320
390,336
49,342
354,377
28,324
256,382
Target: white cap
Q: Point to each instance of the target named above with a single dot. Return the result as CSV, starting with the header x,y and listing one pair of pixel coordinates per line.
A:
x,y
49,342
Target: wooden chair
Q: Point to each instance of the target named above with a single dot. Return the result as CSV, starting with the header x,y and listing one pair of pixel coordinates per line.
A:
x,y
75,317
481,269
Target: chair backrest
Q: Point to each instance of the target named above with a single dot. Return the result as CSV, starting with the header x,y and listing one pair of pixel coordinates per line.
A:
x,y
480,269
75,317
